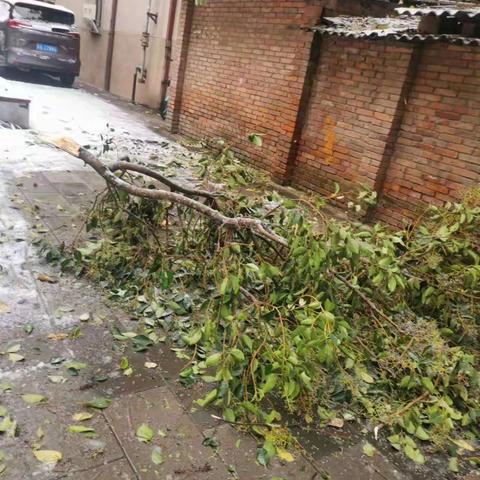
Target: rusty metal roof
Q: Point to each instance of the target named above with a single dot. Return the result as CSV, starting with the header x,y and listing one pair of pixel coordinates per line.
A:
x,y
458,11
393,28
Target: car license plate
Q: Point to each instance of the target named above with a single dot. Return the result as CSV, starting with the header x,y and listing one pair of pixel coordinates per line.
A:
x,y
44,47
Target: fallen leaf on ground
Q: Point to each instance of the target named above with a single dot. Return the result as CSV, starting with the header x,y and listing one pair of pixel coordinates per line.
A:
x,y
157,456
58,336
80,429
4,308
28,329
57,379
3,411
150,365
14,348
5,386
15,357
282,454
75,366
336,422
463,444
47,456
368,449
46,279
84,318
99,403
144,433
33,398
8,426
82,416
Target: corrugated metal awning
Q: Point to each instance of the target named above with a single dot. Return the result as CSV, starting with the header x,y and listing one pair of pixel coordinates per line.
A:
x,y
394,28
461,13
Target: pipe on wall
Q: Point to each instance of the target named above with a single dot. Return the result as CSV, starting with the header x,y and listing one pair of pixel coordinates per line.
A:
x,y
168,59
111,46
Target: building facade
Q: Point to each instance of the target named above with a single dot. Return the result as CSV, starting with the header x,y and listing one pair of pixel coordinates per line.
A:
x,y
113,36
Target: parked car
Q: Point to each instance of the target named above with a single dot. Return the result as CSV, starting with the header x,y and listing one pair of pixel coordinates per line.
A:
x,y
39,36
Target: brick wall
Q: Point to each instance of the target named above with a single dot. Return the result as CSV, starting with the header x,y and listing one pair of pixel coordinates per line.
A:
x,y
245,72
401,118
437,154
352,108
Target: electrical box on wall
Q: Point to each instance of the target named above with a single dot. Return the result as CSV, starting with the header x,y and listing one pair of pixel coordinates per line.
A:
x,y
92,13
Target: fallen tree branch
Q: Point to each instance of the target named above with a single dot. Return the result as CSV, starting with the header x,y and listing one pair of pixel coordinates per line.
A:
x,y
174,187
255,225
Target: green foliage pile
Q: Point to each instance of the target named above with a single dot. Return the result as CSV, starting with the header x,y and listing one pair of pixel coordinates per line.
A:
x,y
351,321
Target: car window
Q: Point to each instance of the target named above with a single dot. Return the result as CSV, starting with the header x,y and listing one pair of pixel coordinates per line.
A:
x,y
4,11
30,12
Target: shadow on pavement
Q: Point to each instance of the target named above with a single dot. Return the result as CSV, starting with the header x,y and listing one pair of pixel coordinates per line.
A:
x,y
37,78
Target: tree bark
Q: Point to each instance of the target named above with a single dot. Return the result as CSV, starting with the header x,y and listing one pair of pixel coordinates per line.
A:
x,y
256,226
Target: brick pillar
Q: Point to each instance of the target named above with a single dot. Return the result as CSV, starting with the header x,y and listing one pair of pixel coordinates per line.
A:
x,y
179,64
395,126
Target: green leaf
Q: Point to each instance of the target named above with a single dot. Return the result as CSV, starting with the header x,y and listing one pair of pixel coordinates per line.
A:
x,y
33,398
99,403
8,426
453,464
237,354
256,139
213,360
368,449
367,378
144,433
211,442
47,456
270,382
124,363
414,454
75,367
265,453
157,456
421,433
14,348
80,429
209,398
193,337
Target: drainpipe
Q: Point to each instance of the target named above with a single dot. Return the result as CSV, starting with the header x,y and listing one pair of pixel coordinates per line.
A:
x,y
111,45
168,59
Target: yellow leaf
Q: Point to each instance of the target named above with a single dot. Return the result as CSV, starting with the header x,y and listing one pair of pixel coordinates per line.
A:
x,y
282,454
58,336
463,444
48,456
46,279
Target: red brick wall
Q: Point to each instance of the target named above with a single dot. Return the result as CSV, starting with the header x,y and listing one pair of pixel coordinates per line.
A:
x,y
394,116
245,72
437,154
354,101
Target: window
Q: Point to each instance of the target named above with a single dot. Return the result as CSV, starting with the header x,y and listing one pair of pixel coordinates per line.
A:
x,y
30,12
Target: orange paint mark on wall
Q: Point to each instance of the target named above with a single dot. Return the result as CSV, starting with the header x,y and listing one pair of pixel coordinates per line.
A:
x,y
329,132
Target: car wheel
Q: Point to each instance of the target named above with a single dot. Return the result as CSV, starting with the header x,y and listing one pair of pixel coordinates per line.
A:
x,y
67,80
